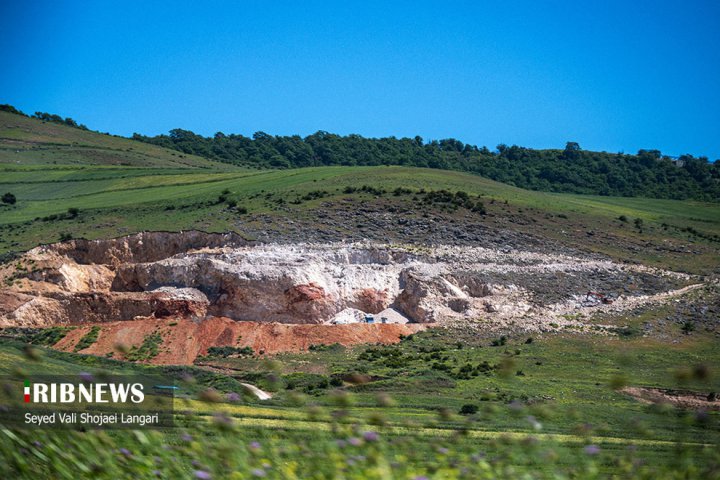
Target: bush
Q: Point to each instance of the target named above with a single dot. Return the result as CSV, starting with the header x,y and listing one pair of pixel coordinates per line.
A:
x,y
9,198
65,237
88,339
498,342
147,350
688,327
469,409
321,347
307,382
227,351
73,212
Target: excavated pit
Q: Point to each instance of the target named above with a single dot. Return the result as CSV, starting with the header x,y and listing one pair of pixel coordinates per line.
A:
x,y
198,276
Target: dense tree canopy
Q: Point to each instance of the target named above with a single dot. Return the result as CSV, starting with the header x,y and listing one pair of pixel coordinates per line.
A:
x,y
646,174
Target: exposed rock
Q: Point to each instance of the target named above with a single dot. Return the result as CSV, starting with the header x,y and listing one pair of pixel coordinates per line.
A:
x,y
200,276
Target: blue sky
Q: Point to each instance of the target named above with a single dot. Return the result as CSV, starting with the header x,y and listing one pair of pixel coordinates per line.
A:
x,y
611,75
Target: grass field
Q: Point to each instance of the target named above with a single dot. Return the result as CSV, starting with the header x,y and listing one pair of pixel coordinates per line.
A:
x,y
551,419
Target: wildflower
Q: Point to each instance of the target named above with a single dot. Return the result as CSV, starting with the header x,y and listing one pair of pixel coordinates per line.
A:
x,y
443,450
534,423
187,437
37,444
202,475
421,477
355,442
86,376
125,452
254,446
257,472
340,443
233,397
592,449
476,457
371,436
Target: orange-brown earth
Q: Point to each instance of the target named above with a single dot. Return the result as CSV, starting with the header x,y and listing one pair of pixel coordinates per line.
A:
x,y
184,340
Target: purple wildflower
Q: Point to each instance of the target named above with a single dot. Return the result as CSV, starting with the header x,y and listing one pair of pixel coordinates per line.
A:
x,y
340,443
258,472
421,477
443,450
254,446
371,436
86,376
187,437
592,449
233,397
125,452
37,444
354,441
202,475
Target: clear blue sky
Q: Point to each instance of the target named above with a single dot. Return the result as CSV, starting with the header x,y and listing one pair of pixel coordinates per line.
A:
x,y
611,75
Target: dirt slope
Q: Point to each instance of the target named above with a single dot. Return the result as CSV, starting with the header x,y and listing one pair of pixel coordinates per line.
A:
x,y
184,340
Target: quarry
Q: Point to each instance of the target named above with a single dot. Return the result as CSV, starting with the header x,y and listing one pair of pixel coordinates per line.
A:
x,y
199,290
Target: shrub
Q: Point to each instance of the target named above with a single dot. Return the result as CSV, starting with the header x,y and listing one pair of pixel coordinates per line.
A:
x,y
469,409
73,212
321,347
498,342
9,198
687,327
88,339
50,336
147,350
227,351
65,236
307,382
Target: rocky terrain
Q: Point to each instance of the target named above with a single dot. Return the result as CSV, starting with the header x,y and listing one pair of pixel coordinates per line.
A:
x,y
333,289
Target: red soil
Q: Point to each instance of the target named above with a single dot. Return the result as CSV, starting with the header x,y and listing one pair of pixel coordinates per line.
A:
x,y
184,340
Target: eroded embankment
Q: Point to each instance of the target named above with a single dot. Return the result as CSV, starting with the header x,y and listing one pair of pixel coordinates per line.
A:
x,y
183,340
201,277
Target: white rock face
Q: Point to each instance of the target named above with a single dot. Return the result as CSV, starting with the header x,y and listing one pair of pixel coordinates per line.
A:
x,y
339,283
198,276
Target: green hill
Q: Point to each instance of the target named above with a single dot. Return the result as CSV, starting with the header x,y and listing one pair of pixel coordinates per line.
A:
x,y
570,170
30,141
342,202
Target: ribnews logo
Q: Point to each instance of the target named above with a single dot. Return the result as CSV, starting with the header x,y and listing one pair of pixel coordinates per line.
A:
x,y
93,392
85,402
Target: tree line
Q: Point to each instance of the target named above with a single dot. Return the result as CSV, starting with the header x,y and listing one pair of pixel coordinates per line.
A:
x,y
45,117
571,170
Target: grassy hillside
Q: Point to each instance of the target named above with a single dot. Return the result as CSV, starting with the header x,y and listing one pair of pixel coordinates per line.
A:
x,y
115,200
29,141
